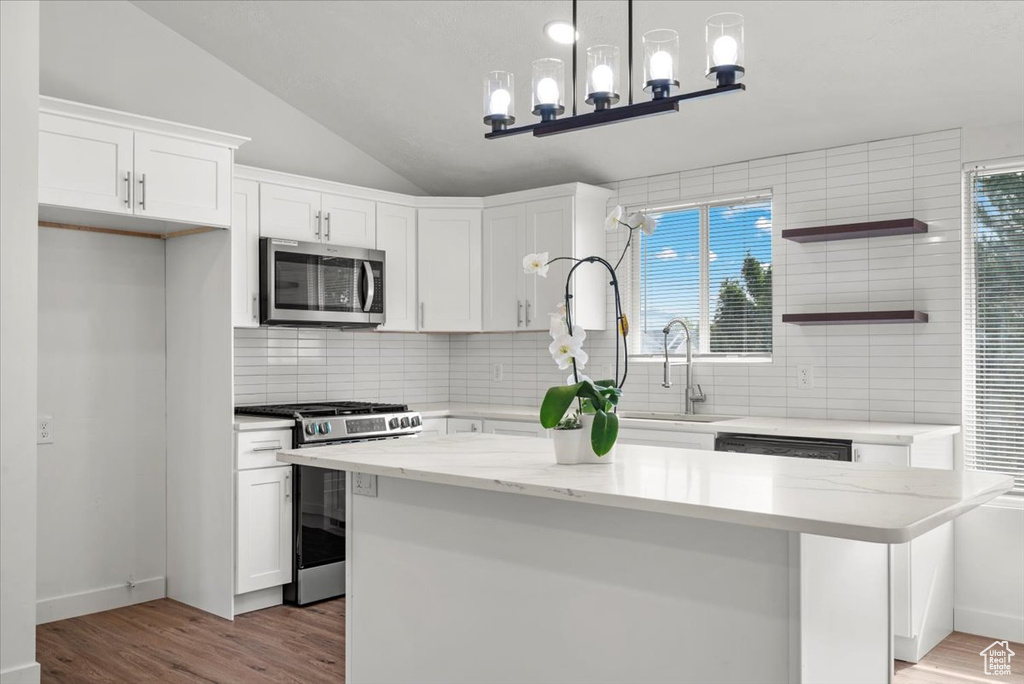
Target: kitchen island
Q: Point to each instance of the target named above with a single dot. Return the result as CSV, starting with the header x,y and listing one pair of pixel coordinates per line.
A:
x,y
477,559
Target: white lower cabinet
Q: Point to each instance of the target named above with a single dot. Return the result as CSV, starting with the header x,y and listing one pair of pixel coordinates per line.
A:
x,y
434,427
678,440
263,532
514,427
459,425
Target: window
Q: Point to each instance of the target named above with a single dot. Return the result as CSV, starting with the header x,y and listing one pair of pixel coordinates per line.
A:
x,y
994,324
710,265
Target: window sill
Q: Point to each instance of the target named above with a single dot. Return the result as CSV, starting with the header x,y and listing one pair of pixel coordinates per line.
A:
x,y
676,358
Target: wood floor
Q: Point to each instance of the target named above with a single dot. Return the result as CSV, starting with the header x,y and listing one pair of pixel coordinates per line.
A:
x,y
165,641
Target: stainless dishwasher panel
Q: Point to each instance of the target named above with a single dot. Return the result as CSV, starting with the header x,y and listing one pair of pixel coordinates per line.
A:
x,y
794,447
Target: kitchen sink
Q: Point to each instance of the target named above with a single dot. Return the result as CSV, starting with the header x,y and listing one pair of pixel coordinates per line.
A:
x,y
697,418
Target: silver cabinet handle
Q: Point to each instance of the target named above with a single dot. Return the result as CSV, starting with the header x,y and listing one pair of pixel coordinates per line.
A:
x,y
327,221
519,313
275,447
255,310
527,312
142,200
472,428
287,486
128,188
318,216
368,274
421,315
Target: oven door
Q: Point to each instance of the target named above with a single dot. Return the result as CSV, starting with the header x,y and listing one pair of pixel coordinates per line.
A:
x,y
308,283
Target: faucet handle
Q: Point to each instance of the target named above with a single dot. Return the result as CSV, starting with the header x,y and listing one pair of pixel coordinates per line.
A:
x,y
699,395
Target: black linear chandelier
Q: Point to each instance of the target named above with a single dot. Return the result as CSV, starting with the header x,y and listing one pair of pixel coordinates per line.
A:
x,y
724,37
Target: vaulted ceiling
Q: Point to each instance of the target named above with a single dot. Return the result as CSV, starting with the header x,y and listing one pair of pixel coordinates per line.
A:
x,y
403,80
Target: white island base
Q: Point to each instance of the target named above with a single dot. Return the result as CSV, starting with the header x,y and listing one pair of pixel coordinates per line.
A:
x,y
478,560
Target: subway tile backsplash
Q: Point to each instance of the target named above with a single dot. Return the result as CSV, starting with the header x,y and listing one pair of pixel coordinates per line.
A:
x,y
907,373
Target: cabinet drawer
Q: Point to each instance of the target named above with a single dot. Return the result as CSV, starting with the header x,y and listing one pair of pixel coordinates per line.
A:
x,y
259,449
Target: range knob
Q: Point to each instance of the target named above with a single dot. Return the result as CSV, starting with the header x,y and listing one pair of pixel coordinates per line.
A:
x,y
416,421
393,423
310,429
405,421
325,428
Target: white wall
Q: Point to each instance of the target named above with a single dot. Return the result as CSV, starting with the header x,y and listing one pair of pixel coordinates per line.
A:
x,y
112,54
861,372
285,365
990,539
101,498
19,126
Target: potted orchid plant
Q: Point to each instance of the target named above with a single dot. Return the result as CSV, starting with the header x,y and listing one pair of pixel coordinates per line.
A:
x,y
583,406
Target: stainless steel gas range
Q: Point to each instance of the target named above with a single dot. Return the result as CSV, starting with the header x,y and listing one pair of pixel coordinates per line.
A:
x,y
318,514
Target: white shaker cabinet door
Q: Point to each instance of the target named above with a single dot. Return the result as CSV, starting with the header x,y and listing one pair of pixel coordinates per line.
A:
x,y
504,246
449,270
396,236
182,180
515,428
348,221
264,529
434,427
457,426
290,213
549,227
84,164
245,253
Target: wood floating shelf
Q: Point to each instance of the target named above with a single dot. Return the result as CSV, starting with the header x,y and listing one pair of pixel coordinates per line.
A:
x,y
856,317
850,231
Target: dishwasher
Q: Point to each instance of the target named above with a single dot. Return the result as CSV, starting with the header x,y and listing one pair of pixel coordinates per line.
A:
x,y
795,447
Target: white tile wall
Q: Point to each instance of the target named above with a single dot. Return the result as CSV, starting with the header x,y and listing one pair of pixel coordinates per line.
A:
x,y
862,372
281,365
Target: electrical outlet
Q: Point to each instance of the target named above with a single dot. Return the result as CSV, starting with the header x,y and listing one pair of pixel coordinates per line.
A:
x,y
364,484
44,430
805,377
498,372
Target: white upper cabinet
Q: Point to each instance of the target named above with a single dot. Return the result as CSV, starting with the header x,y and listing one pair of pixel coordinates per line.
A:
x,y
349,221
182,180
504,237
569,224
290,213
85,164
101,160
450,282
396,236
245,253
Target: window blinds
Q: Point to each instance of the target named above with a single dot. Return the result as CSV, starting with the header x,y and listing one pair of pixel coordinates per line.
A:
x,y
994,324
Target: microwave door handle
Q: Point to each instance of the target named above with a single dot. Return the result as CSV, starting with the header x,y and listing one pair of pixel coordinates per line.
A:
x,y
368,274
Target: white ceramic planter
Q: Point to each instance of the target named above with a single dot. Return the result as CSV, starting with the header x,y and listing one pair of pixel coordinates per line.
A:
x,y
587,454
568,445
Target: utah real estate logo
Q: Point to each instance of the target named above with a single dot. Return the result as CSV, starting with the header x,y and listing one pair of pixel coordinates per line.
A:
x,y
997,658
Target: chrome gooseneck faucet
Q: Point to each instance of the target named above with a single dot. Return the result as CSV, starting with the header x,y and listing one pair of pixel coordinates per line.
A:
x,y
692,395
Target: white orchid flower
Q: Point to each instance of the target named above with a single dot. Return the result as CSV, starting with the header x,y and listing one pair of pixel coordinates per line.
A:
x,y
558,326
567,348
614,218
536,263
571,380
648,224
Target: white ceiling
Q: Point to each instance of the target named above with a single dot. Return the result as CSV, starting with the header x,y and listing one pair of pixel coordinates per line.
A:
x,y
403,79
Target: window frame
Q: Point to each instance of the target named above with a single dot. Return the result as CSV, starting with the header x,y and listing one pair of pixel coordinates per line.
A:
x,y
702,354
968,367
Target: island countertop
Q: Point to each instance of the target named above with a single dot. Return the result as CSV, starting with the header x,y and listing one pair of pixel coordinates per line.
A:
x,y
873,503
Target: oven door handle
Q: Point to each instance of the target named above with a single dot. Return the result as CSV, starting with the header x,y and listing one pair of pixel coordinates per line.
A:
x,y
368,274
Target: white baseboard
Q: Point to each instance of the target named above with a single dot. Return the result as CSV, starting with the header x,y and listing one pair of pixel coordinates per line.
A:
x,y
97,600
992,625
23,674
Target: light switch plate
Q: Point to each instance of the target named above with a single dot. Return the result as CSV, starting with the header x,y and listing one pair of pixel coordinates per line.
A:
x,y
364,484
44,429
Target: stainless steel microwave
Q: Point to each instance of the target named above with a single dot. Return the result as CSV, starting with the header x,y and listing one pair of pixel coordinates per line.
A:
x,y
313,284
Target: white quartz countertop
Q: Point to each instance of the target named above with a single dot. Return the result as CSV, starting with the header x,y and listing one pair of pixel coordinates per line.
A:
x,y
903,434
848,500
246,423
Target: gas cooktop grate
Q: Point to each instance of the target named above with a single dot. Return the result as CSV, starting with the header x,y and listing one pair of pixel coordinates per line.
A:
x,y
324,408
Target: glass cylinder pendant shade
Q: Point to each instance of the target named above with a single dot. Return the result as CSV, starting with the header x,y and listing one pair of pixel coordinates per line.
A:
x,y
724,36
548,88
602,76
661,59
499,100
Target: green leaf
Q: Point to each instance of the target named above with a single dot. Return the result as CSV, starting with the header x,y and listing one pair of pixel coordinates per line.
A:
x,y
589,392
604,432
556,402
605,383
